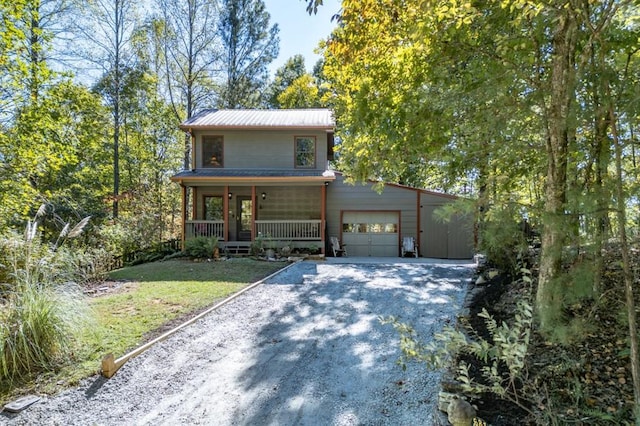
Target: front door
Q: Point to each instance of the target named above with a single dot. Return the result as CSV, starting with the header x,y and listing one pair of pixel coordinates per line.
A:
x,y
244,219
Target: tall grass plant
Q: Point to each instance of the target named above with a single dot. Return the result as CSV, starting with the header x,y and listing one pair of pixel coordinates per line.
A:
x,y
42,308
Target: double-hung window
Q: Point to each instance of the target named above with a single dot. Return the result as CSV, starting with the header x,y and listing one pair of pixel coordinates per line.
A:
x,y
213,207
305,152
212,151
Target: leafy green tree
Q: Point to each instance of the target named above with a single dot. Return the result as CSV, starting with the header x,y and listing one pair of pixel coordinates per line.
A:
x,y
312,5
486,93
149,152
42,22
249,44
293,87
107,28
57,155
188,54
12,68
284,76
302,93
52,142
499,94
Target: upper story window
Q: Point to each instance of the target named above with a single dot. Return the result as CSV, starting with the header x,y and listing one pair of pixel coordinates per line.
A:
x,y
305,151
212,151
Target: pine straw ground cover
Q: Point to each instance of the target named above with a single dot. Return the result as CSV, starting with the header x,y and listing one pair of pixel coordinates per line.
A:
x,y
137,304
582,382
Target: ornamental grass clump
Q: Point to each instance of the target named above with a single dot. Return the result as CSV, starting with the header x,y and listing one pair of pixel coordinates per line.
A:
x,y
42,309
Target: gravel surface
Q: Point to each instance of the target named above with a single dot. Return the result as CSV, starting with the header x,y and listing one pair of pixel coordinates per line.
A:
x,y
304,348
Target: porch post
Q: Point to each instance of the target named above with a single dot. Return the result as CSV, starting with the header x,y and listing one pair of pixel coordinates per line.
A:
x,y
193,150
253,212
194,203
323,216
183,215
225,213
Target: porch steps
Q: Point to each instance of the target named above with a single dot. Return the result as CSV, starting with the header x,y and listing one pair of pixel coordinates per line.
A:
x,y
238,248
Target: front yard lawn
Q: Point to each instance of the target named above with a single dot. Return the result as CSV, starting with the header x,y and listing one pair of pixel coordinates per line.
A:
x,y
139,302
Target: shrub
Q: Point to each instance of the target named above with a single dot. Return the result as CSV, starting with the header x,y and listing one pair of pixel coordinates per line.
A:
x,y
503,239
90,264
200,247
41,307
257,246
503,355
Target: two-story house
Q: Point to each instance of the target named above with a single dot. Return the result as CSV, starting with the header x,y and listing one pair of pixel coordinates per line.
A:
x,y
266,173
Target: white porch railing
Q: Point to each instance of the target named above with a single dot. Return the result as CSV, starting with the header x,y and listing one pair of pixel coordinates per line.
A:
x,y
289,230
205,228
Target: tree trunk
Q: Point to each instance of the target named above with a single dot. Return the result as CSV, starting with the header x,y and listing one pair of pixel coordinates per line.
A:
x,y
626,268
549,294
118,23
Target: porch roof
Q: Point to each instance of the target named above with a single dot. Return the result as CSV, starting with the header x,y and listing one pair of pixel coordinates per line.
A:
x,y
259,176
318,118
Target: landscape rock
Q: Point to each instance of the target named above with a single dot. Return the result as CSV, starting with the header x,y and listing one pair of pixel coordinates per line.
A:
x,y
460,412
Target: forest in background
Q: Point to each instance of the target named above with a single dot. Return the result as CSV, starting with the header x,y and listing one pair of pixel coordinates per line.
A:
x,y
91,95
530,109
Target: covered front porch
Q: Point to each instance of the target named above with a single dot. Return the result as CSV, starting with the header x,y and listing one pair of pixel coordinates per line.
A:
x,y
238,215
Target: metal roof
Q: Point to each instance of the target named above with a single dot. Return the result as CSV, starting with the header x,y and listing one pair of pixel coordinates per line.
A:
x,y
261,118
254,173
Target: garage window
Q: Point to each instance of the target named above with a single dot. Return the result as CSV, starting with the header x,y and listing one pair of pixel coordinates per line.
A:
x,y
371,228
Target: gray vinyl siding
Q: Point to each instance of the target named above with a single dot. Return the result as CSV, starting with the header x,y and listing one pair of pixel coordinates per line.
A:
x,y
452,240
280,203
434,238
293,203
345,197
264,149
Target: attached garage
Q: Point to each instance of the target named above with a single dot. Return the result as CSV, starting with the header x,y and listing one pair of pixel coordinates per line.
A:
x,y
372,223
371,233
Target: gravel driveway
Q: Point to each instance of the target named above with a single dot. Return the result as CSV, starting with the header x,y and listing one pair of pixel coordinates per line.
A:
x,y
304,348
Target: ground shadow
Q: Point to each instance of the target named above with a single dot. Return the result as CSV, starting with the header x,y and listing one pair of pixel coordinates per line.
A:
x,y
327,359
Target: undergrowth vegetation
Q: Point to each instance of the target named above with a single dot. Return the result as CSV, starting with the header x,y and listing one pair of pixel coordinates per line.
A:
x,y
201,247
42,308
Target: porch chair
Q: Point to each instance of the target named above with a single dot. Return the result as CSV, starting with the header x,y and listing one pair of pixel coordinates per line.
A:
x,y
337,249
409,246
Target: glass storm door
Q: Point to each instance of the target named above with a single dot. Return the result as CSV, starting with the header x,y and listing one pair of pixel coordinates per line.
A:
x,y
244,218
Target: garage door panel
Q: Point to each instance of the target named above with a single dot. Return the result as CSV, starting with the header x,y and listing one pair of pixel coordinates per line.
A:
x,y
357,243
384,251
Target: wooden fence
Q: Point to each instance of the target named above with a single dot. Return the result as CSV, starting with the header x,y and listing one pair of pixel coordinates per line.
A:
x,y
139,256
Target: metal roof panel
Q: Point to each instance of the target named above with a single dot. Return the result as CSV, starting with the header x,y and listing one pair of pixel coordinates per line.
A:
x,y
252,173
262,118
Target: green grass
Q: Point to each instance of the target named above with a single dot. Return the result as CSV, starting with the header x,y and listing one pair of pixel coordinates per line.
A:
x,y
155,294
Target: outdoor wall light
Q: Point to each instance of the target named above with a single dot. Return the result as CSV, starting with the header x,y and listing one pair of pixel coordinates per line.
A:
x,y
230,195
264,195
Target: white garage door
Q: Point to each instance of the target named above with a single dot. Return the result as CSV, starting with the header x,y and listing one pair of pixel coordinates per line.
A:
x,y
370,233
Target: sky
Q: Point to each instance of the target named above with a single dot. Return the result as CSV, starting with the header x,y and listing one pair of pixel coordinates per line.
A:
x,y
299,31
